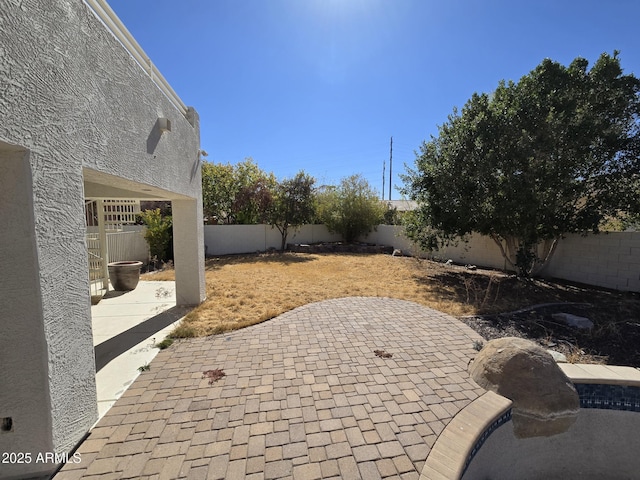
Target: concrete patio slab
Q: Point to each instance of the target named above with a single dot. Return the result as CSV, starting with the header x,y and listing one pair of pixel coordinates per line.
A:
x,y
120,311
126,327
303,396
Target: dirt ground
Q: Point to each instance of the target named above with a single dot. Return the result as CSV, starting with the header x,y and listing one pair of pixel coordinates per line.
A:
x,y
246,289
614,339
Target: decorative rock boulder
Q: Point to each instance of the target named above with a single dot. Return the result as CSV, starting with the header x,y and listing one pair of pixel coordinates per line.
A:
x,y
545,403
573,320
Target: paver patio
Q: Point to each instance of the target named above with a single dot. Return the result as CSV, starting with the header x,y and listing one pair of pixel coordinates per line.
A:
x,y
304,396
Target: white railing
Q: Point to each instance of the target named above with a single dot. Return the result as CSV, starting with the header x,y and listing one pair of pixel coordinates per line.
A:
x,y
129,244
108,17
121,246
125,246
98,281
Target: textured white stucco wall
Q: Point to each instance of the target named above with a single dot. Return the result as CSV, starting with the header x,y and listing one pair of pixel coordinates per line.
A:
x,y
86,113
21,311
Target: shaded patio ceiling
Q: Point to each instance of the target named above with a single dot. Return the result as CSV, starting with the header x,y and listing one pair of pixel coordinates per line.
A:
x,y
102,185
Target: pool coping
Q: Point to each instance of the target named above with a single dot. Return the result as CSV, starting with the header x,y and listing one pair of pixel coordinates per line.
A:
x,y
601,374
455,446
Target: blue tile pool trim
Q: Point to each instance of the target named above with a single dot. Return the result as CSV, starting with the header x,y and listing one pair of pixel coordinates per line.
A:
x,y
609,397
501,420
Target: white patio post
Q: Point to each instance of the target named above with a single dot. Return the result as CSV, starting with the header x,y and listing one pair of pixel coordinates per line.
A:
x,y
188,251
102,238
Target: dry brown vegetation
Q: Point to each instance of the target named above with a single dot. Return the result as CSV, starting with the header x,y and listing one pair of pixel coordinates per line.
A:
x,y
246,289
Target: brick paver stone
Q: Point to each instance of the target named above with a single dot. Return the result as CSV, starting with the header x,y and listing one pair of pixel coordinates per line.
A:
x,y
304,396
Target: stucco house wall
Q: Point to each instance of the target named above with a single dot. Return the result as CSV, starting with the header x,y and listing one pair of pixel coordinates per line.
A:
x,y
78,118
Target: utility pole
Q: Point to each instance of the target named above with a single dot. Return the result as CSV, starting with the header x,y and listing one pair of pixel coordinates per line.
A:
x,y
390,166
384,166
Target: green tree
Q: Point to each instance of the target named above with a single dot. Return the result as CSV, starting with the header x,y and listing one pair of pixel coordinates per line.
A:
x,y
293,204
351,209
218,192
392,216
253,202
236,193
158,233
555,153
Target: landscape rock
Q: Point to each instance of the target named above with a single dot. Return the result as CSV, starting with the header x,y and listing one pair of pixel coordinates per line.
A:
x,y
557,356
545,402
573,320
338,247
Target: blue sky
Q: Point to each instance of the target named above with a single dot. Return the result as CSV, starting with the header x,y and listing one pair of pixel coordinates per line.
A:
x,y
322,85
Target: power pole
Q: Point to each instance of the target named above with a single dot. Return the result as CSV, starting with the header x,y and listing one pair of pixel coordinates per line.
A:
x,y
390,166
384,166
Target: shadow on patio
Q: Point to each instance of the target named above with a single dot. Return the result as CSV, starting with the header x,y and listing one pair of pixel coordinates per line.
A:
x,y
126,327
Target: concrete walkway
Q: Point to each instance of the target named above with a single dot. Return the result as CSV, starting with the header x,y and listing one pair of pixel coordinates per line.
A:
x,y
126,326
304,396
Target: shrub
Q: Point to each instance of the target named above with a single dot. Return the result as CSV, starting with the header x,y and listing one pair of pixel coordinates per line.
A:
x,y
166,343
184,330
158,233
351,209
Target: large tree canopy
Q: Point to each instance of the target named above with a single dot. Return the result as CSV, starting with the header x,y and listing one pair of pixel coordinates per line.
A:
x,y
238,193
555,153
293,204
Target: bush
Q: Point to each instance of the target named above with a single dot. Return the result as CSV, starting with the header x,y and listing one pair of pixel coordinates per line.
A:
x,y
166,343
351,209
184,330
392,216
158,234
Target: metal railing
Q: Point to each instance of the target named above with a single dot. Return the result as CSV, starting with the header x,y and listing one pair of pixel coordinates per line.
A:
x,y
108,17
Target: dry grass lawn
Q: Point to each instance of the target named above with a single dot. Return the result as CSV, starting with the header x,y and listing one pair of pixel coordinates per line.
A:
x,y
248,289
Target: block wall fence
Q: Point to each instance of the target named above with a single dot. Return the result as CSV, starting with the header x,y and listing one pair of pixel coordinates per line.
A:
x,y
609,260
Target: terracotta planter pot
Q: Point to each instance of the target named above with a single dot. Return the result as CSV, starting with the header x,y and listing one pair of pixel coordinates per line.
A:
x,y
124,276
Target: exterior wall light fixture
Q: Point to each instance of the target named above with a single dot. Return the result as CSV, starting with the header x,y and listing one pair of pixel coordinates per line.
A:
x,y
164,124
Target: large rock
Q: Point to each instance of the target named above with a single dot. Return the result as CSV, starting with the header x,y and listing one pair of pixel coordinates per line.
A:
x,y
545,402
573,320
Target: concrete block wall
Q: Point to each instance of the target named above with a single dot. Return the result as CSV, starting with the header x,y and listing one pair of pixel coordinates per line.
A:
x,y
391,235
234,239
478,250
609,260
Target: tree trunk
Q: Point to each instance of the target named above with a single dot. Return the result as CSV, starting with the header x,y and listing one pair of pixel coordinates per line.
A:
x,y
513,244
548,249
498,240
283,232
